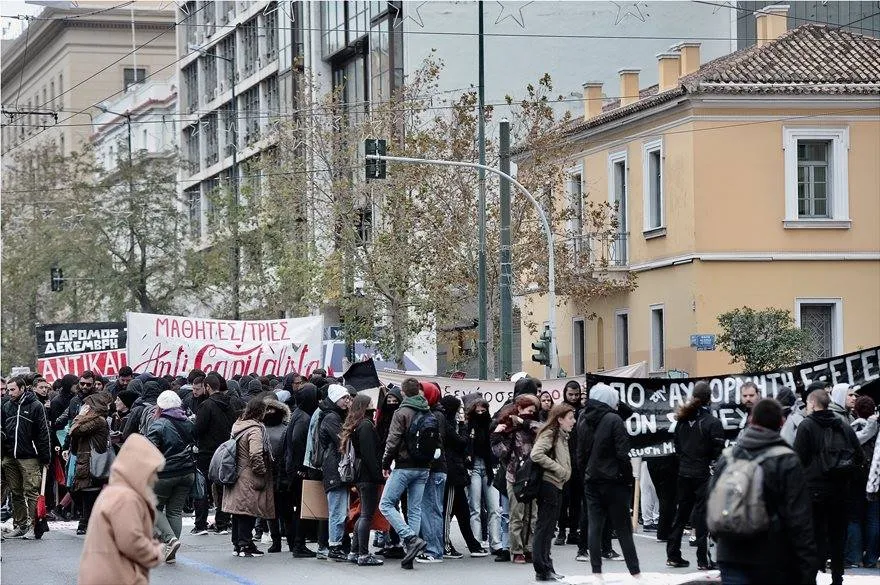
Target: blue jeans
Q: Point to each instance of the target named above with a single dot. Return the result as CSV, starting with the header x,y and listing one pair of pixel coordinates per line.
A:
x,y
337,505
412,481
872,532
505,520
862,536
483,494
432,514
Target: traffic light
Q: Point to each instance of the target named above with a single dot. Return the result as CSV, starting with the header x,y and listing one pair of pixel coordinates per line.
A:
x,y
56,279
542,348
375,168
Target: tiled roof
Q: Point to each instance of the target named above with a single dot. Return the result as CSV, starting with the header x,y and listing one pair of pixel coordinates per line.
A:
x,y
810,59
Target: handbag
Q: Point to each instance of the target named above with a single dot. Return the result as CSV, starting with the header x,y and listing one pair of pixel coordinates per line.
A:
x,y
100,463
198,491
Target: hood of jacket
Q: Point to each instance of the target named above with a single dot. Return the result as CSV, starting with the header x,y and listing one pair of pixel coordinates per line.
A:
x,y
431,393
594,411
99,402
152,390
755,438
240,425
838,394
450,405
232,387
136,462
605,394
416,402
254,387
287,383
68,382
277,412
222,400
136,385
307,398
826,418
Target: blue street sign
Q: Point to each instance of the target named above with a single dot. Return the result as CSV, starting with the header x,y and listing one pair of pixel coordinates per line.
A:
x,y
703,342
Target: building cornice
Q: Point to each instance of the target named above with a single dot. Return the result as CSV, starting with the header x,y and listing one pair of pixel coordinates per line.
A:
x,y
754,257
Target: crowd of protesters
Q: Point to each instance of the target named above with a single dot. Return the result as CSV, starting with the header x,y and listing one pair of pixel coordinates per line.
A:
x,y
395,471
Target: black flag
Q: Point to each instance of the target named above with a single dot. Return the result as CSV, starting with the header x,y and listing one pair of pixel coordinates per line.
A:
x,y
362,376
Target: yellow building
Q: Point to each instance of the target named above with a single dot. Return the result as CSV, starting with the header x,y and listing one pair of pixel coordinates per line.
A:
x,y
751,180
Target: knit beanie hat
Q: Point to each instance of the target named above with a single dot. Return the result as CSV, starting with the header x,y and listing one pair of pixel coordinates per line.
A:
x,y
168,400
128,397
335,392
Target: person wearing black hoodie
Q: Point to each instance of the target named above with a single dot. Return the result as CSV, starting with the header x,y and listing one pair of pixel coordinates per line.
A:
x,y
389,402
603,454
828,472
786,553
147,402
699,440
294,468
335,409
59,404
481,467
276,419
213,426
455,446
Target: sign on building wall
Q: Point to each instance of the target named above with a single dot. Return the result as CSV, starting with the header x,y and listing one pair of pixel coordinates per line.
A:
x,y
71,348
173,345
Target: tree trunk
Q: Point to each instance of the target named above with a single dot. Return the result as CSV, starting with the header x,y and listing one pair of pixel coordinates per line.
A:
x,y
398,335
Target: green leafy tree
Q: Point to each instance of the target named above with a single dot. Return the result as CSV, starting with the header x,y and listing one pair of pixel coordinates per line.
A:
x,y
761,340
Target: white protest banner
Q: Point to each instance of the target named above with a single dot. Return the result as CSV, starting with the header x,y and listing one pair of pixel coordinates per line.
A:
x,y
498,392
166,344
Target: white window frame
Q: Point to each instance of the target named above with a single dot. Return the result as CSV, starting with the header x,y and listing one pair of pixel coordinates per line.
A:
x,y
618,339
570,174
651,363
621,246
839,177
836,318
583,322
649,147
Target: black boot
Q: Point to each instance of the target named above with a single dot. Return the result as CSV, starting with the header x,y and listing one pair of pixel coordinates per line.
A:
x,y
276,545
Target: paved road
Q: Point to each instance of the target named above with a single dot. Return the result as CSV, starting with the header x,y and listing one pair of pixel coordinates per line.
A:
x,y
208,559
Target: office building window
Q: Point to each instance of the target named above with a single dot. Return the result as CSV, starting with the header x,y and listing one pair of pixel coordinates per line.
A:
x,y
52,94
578,347
229,122
191,143
333,25
822,319
212,190
270,89
208,18
227,50
816,177
132,76
250,102
621,338
193,198
191,87
250,48
658,339
209,131
270,26
191,27
209,74
364,219
653,186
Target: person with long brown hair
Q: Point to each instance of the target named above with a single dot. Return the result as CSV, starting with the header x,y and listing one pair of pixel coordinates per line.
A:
x,y
550,451
359,432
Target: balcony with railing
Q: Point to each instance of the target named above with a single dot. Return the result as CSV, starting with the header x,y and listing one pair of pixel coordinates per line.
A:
x,y
600,253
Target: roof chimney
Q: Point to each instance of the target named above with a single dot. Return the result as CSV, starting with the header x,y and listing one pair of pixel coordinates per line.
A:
x,y
629,86
669,65
592,99
772,23
690,57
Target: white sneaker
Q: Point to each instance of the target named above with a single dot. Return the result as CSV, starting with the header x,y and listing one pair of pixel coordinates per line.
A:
x,y
29,535
427,559
171,551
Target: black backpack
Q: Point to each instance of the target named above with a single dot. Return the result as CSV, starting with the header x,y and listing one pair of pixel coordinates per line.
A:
x,y
527,482
423,437
837,456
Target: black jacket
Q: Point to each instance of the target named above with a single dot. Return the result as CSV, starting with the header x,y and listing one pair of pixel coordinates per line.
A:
x,y
275,421
438,465
25,430
367,449
214,423
61,402
298,431
455,444
699,440
328,438
174,438
603,445
789,544
810,442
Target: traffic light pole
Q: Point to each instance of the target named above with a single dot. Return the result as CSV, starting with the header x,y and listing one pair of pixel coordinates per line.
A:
x,y
551,261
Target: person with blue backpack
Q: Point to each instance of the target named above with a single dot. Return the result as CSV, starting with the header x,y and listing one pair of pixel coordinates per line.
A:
x,y
413,443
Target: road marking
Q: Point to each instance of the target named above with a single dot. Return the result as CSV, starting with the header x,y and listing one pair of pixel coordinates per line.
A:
x,y
215,571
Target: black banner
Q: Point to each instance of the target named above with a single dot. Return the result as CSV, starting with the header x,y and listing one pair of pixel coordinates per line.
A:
x,y
74,338
362,375
654,401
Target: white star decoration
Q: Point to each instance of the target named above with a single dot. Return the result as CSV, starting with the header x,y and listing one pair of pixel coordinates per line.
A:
x,y
408,15
521,21
635,11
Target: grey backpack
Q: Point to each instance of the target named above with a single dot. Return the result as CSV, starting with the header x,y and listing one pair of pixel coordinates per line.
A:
x,y
736,504
223,468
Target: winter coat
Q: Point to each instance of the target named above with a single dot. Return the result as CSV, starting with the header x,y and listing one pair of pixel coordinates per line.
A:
x,y
24,429
557,467
873,486
479,440
395,447
175,439
89,430
119,545
603,445
866,430
252,494
810,442
699,440
513,445
842,413
438,465
790,543
455,445
298,432
276,420
385,414
328,441
213,424
789,428
146,401
61,401
365,440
